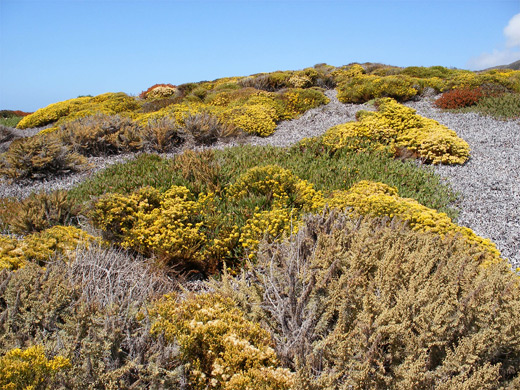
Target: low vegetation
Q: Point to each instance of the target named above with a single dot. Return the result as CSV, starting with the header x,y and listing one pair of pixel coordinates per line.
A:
x,y
370,303
331,264
10,118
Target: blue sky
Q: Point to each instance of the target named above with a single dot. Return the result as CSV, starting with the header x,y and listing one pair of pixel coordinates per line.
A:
x,y
56,50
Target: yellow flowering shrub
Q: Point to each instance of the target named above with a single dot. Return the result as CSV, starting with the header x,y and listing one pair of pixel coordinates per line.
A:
x,y
11,256
269,225
300,81
178,112
378,199
61,112
278,185
287,196
345,73
396,126
298,100
504,77
171,229
173,225
362,88
28,369
259,119
55,242
160,92
221,348
52,112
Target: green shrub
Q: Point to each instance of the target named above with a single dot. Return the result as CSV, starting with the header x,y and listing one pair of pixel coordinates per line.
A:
x,y
126,177
428,72
506,106
11,121
39,157
372,304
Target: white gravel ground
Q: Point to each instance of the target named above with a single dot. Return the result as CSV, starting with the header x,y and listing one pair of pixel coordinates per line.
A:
x,y
489,183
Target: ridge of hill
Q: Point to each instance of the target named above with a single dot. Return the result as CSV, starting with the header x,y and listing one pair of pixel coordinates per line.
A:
x,y
513,66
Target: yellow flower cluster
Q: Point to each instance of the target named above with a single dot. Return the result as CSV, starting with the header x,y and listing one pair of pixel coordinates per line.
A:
x,y
68,110
178,112
378,199
149,221
396,126
55,242
178,226
296,101
161,92
279,185
28,369
362,88
270,225
300,81
222,349
259,119
345,73
11,256
289,196
172,228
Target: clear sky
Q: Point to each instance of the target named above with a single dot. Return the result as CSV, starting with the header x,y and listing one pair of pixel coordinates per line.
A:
x,y
53,50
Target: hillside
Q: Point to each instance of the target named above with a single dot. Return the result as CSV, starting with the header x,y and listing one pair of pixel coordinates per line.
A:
x,y
323,228
513,66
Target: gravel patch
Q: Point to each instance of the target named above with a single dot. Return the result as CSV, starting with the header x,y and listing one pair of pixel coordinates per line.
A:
x,y
24,188
488,184
312,123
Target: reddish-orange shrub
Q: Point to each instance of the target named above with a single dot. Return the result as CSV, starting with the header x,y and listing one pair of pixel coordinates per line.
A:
x,y
458,98
143,94
13,113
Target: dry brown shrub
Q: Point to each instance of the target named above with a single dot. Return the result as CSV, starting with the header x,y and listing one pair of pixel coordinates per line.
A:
x,y
157,104
41,211
93,313
101,135
370,304
39,157
162,135
206,129
6,134
106,276
200,169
